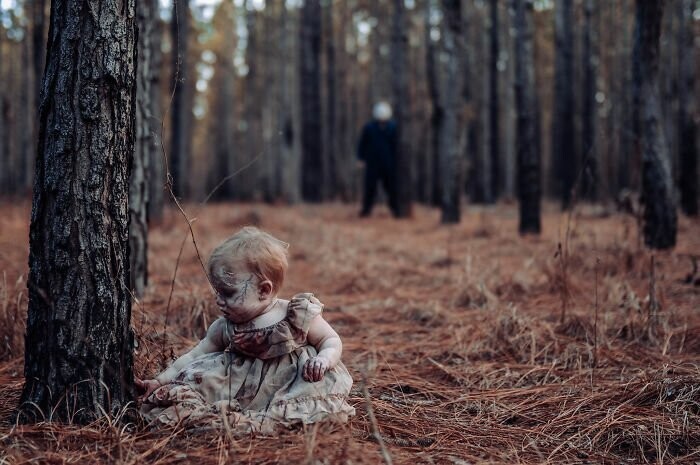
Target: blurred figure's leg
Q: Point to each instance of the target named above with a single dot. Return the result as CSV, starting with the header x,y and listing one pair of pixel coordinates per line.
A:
x,y
370,190
389,183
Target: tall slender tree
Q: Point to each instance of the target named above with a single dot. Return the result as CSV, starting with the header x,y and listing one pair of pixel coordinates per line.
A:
x,y
4,165
27,115
399,75
37,10
252,99
311,130
156,165
437,111
626,105
589,114
508,171
289,114
494,131
660,219
344,145
147,13
330,147
225,161
528,139
181,111
449,140
78,344
564,158
687,127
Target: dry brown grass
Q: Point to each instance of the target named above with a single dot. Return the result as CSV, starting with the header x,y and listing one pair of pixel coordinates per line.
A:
x,y
456,331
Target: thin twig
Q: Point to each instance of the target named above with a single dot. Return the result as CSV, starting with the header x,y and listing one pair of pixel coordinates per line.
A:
x,y
373,421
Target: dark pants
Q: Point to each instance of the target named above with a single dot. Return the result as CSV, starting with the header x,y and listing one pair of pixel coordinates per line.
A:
x,y
374,174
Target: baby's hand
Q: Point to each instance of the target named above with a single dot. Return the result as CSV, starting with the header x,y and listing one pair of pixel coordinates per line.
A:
x,y
302,301
146,386
315,368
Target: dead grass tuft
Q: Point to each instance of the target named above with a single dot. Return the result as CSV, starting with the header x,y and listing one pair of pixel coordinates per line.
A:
x,y
13,314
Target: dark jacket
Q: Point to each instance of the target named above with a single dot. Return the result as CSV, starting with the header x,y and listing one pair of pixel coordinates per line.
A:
x,y
377,145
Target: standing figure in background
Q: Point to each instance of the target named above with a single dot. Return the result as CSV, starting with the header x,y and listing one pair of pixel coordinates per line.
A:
x,y
377,151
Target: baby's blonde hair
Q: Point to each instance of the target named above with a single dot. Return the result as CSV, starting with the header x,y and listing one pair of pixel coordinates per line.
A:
x,y
264,255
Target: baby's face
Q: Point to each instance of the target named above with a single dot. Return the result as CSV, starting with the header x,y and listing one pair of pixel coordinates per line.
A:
x,y
238,293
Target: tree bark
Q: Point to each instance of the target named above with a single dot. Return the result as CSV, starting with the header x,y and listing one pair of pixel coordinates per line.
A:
x,y
528,140
589,180
182,112
252,112
4,160
345,133
510,114
38,33
449,131
311,130
399,73
28,116
9,110
494,131
78,357
143,151
289,114
156,165
331,149
626,114
660,219
687,127
564,159
225,157
437,112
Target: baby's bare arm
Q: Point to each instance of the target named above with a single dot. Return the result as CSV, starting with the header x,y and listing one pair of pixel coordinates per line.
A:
x,y
328,346
212,342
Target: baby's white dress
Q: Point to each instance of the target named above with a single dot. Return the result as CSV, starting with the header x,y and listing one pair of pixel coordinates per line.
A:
x,y
257,383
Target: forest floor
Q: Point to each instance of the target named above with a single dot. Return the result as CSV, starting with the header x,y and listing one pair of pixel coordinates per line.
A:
x,y
455,337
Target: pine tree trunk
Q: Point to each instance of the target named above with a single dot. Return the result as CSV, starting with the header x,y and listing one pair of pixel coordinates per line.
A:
x,y
312,167
78,358
252,103
331,177
590,60
449,131
9,108
38,21
289,114
156,165
528,140
225,164
28,115
4,160
626,108
660,220
563,138
437,112
687,127
344,148
399,73
37,37
510,114
264,99
181,111
483,166
143,152
494,103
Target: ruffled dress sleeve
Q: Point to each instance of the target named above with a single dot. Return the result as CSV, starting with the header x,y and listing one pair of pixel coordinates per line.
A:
x,y
302,317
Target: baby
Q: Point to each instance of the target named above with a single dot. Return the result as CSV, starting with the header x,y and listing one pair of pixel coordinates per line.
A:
x,y
267,362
